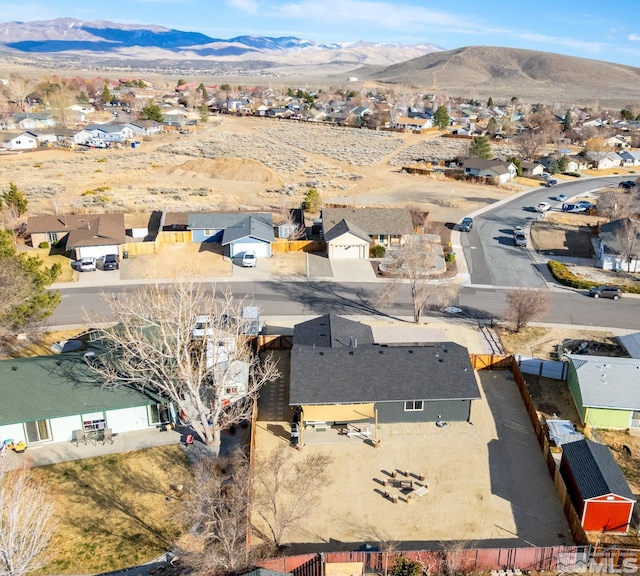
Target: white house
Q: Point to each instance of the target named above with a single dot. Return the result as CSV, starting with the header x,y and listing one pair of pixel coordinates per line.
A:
x,y
110,132
405,123
22,141
611,252
630,157
604,160
81,137
57,398
501,171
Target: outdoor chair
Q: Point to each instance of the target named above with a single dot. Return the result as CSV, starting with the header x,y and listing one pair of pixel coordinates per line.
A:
x,y
79,437
107,436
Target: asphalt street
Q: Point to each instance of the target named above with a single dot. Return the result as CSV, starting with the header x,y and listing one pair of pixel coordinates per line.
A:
x,y
309,298
492,257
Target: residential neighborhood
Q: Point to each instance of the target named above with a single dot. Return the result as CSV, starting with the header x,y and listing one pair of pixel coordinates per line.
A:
x,y
312,330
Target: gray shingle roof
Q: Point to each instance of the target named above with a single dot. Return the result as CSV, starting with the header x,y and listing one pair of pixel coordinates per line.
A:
x,y
609,234
370,220
222,220
333,372
344,227
631,343
249,227
595,471
56,386
607,382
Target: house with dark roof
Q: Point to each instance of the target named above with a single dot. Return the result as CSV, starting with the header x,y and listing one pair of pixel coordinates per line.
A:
x,y
389,227
339,374
606,391
93,235
50,398
236,231
612,239
496,169
598,490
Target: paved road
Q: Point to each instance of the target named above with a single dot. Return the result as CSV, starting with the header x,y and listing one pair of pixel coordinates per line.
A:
x,y
492,257
307,298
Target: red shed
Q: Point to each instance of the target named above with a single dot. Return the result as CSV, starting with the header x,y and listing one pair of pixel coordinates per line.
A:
x,y
598,490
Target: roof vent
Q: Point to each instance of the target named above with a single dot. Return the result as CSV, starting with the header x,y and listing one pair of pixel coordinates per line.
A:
x,y
410,351
321,353
351,352
382,352
89,354
14,368
440,359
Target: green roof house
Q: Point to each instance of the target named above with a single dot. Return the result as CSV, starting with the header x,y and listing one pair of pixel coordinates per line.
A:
x,y
606,391
55,398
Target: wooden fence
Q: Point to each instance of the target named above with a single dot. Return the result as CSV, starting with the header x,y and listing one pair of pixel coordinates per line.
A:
x,y
283,245
138,248
500,362
174,237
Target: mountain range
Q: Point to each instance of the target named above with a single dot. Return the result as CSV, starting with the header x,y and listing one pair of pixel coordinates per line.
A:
x,y
102,38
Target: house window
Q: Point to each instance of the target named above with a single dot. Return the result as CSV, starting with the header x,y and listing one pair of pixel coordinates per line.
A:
x,y
38,431
209,232
95,421
231,390
159,414
413,406
52,237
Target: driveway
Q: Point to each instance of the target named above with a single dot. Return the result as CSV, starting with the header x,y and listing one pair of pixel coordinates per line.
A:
x,y
351,270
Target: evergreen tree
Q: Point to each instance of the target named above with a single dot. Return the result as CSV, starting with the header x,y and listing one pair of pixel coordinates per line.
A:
x,y
563,164
441,118
106,94
312,201
490,102
493,127
152,112
14,200
203,113
567,123
516,162
480,148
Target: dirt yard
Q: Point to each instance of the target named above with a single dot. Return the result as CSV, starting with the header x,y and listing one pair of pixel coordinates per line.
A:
x,y
565,234
487,482
247,163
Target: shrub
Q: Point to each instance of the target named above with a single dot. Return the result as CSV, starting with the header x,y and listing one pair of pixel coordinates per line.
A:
x,y
450,257
574,174
564,276
43,245
98,171
378,251
102,159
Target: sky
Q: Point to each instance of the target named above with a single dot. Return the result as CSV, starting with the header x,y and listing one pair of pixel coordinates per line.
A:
x,y
607,31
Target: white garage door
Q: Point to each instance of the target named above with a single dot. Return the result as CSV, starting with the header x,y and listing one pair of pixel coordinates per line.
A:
x,y
97,251
261,249
346,252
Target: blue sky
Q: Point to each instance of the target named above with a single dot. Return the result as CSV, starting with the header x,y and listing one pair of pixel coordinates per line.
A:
x,y
587,28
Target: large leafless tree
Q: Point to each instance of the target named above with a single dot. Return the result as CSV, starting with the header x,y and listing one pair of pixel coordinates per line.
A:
x,y
628,238
615,204
27,523
153,346
524,305
415,264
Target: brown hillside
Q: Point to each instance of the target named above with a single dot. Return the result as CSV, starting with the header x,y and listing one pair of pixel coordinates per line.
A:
x,y
239,169
483,71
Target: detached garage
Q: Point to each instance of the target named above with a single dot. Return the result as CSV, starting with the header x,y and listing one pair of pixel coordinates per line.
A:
x,y
346,241
598,490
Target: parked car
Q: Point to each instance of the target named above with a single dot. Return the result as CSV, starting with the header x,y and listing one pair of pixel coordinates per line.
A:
x,y
561,197
543,207
627,184
249,259
612,292
519,237
295,433
466,224
111,262
585,205
86,264
551,182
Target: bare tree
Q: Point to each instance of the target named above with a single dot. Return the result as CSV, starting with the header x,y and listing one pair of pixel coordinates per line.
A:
x,y
616,205
530,143
627,236
287,217
216,506
186,344
285,485
416,262
60,100
27,523
18,88
525,305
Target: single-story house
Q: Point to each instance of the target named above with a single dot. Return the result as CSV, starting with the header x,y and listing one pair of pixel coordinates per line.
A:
x,y
339,374
240,231
530,169
110,132
604,160
22,141
610,249
43,136
617,142
576,163
28,120
406,123
386,226
606,391
599,493
630,157
145,127
93,235
345,241
501,171
51,398
81,136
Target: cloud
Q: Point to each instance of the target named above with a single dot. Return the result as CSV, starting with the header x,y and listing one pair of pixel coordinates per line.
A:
x,y
634,37
391,16
249,6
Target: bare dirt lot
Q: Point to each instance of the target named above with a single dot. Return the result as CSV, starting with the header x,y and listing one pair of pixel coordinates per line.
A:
x,y
565,234
487,482
247,163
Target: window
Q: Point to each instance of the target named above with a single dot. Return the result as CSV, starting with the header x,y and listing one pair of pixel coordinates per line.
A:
x,y
159,414
209,232
37,431
413,406
95,421
52,237
231,390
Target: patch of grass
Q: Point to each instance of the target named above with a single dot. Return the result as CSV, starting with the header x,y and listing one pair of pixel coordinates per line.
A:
x,y
521,342
115,511
39,344
67,274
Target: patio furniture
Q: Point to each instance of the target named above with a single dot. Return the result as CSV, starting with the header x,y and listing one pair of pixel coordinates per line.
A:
x,y
107,436
189,440
92,436
78,436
